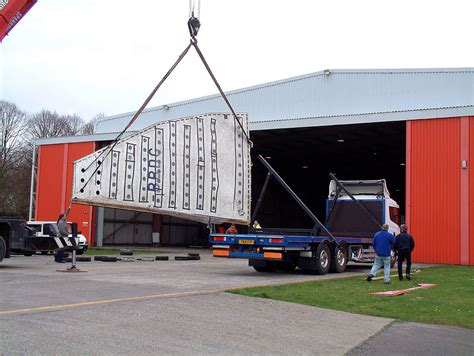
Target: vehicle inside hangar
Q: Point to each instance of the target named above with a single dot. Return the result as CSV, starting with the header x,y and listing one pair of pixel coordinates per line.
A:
x,y
304,157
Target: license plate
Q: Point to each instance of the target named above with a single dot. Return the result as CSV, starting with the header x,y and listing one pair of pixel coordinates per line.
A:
x,y
246,242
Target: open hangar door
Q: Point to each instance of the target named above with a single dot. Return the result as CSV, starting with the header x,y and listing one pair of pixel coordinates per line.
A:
x,y
304,157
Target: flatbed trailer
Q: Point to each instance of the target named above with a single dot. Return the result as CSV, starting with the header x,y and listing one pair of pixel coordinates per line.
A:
x,y
347,235
313,254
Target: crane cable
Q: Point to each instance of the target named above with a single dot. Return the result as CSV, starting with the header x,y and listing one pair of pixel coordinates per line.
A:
x,y
112,145
193,26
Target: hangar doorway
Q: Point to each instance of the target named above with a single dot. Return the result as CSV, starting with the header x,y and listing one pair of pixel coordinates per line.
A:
x,y
304,157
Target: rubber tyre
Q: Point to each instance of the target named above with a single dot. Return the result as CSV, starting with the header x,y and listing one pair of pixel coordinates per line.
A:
x,y
146,259
44,252
109,259
126,252
193,254
286,266
28,254
322,259
127,259
181,258
269,267
3,248
339,259
265,269
99,258
162,258
83,258
79,259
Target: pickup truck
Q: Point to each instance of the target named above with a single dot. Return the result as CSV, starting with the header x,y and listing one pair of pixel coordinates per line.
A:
x,y
17,238
355,210
49,229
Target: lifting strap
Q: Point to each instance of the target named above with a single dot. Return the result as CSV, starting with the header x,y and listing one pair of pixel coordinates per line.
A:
x,y
193,26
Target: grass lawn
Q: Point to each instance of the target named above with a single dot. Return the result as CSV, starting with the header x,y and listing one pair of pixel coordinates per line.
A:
x,y
99,251
450,303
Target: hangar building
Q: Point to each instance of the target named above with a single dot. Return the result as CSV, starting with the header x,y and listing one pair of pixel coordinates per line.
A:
x,y
413,127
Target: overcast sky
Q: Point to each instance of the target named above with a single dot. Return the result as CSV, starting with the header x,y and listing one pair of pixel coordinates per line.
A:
x,y
105,56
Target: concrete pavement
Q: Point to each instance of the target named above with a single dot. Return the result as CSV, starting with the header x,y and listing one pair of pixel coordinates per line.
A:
x,y
169,307
418,339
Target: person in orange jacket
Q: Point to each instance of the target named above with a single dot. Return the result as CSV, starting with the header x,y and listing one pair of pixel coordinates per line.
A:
x,y
232,230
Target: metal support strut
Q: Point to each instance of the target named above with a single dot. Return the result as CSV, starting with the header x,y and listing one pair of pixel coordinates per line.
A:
x,y
296,198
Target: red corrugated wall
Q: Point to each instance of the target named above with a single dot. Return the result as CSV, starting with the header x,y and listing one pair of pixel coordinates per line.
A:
x,y
49,182
435,190
54,184
437,214
471,190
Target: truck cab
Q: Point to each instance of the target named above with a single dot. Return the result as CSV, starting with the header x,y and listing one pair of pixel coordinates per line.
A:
x,y
343,215
346,218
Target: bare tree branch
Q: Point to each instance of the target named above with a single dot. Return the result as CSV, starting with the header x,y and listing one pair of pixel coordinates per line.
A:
x,y
88,128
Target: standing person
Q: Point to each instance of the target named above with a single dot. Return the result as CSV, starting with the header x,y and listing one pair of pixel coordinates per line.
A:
x,y
256,225
232,230
383,243
404,245
63,231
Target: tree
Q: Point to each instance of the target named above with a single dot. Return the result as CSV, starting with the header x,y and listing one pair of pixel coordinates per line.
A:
x,y
17,133
13,156
88,128
73,125
12,128
46,124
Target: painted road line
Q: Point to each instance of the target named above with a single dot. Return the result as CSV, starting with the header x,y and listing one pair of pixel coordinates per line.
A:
x,y
153,296
110,301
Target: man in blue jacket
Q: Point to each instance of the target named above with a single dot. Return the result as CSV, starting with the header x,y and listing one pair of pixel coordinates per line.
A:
x,y
383,243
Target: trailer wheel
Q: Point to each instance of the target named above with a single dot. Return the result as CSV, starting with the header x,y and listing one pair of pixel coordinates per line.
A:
x,y
287,266
264,266
264,269
3,248
321,260
339,259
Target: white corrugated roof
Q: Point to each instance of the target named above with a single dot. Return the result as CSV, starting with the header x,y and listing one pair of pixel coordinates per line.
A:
x,y
330,97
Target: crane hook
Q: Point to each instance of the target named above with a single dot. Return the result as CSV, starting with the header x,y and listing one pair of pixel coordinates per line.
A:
x,y
193,23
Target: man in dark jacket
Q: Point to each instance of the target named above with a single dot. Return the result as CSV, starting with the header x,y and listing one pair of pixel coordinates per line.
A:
x,y
383,243
404,245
